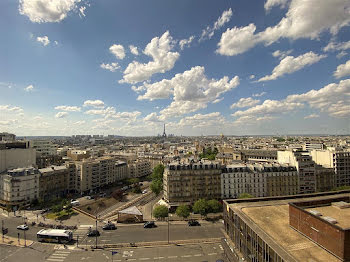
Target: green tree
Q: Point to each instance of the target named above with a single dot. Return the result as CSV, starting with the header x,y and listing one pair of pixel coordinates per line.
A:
x,y
160,211
157,186
201,207
245,195
183,211
158,172
134,181
214,206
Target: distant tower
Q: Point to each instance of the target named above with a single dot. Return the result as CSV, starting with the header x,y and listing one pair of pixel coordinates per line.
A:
x,y
164,134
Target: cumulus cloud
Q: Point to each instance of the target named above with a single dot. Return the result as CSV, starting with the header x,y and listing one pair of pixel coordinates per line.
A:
x,y
68,108
159,49
152,117
133,50
43,39
311,116
29,88
191,91
291,64
118,51
218,100
111,67
281,54
209,31
61,114
202,120
259,94
186,42
302,20
42,11
245,102
342,70
269,4
94,103
8,108
333,46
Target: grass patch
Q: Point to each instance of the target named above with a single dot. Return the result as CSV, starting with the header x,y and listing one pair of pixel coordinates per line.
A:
x,y
61,215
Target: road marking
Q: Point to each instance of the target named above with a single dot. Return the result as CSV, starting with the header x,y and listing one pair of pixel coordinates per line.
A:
x,y
172,257
212,254
131,259
128,253
55,259
221,247
197,255
158,257
145,258
187,256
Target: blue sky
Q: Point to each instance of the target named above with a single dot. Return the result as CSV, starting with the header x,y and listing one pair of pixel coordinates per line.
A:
x,y
202,67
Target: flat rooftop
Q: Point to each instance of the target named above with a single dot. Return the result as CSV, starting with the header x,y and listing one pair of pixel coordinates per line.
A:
x,y
270,219
341,215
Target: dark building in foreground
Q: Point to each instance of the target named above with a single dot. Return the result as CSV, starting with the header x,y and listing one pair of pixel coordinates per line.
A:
x,y
307,228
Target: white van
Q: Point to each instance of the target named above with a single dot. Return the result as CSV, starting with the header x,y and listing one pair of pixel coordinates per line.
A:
x,y
75,203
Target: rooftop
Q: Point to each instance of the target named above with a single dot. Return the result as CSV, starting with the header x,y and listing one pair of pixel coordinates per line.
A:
x,y
342,216
270,219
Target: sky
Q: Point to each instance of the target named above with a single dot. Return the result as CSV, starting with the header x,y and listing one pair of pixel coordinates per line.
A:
x,y
201,67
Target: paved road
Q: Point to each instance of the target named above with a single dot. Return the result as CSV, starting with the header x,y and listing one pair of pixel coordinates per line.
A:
x,y
54,253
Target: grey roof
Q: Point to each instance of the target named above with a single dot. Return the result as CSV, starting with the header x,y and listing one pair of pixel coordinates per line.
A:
x,y
131,211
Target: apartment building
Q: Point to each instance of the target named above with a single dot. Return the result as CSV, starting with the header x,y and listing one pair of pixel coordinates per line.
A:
x,y
184,183
78,155
44,147
258,180
4,136
16,154
311,227
309,146
19,186
339,161
53,182
139,168
306,168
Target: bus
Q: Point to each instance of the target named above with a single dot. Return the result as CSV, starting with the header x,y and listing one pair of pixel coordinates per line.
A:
x,y
54,235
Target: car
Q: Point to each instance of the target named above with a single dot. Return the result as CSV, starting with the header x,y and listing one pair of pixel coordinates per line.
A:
x,y
149,224
23,227
93,233
88,197
102,195
193,223
109,226
144,191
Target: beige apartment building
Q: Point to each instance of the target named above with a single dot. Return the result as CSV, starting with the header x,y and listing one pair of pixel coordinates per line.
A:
x,y
184,183
53,182
139,168
16,154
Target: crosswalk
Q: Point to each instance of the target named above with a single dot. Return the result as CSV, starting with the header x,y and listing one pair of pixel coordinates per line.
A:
x,y
58,255
81,231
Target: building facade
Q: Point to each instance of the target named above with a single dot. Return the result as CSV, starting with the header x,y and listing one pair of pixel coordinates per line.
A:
x,y
53,182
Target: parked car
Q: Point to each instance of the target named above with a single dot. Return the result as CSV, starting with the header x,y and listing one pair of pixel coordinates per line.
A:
x,y
23,227
74,202
144,191
88,197
149,224
193,223
93,233
102,194
109,226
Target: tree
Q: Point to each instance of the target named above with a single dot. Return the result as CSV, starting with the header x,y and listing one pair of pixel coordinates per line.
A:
x,y
245,195
157,186
183,211
160,211
134,181
214,206
158,172
201,207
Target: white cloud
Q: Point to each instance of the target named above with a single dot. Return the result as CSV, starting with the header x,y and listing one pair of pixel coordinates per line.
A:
x,y
218,100
237,40
245,102
291,64
94,103
259,94
8,108
68,108
304,19
29,88
111,67
272,3
223,19
8,122
163,60
342,70
138,89
186,42
312,116
202,120
152,117
42,11
281,54
118,51
341,54
98,111
82,11
191,91
43,39
133,50
251,76
56,43
332,46
61,114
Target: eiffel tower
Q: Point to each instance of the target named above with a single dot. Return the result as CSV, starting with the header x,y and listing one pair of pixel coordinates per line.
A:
x,y
164,134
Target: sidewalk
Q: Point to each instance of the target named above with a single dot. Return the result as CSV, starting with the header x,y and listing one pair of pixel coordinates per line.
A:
x,y
11,241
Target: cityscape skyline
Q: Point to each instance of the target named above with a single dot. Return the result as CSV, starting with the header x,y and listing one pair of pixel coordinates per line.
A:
x,y
202,68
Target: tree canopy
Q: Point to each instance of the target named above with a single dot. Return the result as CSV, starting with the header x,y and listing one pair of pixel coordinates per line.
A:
x,y
201,207
160,211
183,211
245,195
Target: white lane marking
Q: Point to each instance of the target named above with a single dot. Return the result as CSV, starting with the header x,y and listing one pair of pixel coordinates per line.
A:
x,y
61,251
197,255
145,258
221,247
131,259
55,259
172,257
187,256
128,253
86,226
212,254
158,257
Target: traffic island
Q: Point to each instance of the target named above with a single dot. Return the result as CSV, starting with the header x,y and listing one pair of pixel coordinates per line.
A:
x,y
18,242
